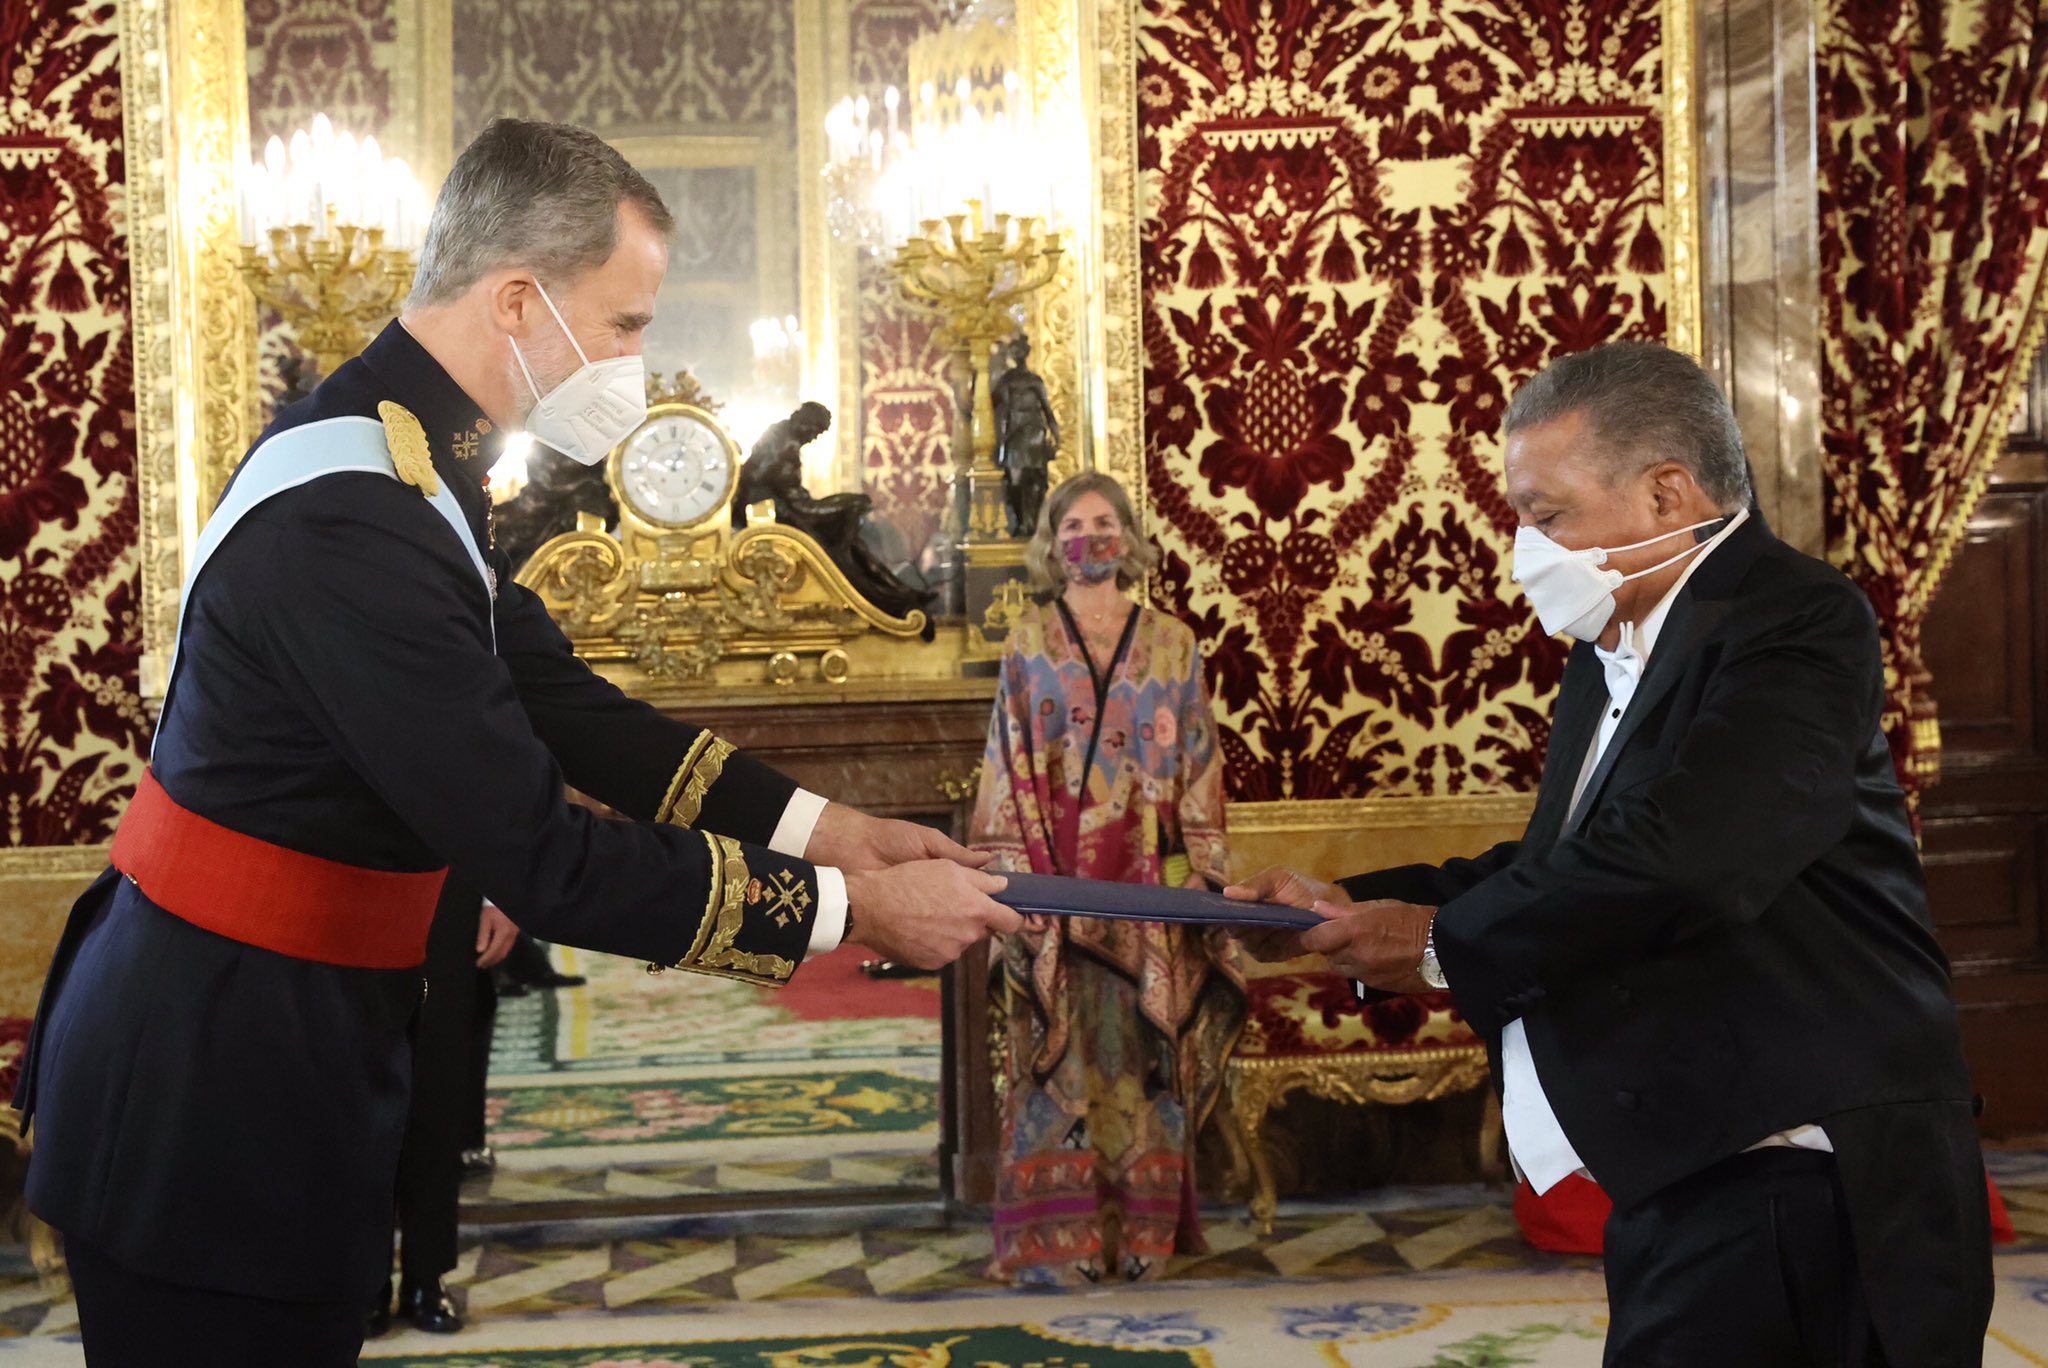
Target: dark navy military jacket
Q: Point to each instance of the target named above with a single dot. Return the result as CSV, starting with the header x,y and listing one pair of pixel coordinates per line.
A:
x,y
227,1117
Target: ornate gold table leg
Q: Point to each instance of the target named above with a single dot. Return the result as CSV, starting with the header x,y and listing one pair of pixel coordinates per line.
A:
x,y
1249,1101
1492,1132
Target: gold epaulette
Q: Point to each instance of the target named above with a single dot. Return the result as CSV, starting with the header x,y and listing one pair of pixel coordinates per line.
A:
x,y
411,457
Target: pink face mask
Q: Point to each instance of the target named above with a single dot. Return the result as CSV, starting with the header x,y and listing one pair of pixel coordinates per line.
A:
x,y
1091,560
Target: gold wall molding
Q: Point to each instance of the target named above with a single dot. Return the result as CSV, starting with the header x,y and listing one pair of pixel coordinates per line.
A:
x,y
1381,814
1681,179
1332,838
1113,381
152,260
52,862
1049,55
209,120
424,111
38,884
186,114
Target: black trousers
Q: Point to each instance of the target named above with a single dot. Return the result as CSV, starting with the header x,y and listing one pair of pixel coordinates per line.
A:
x,y
131,1320
1749,1262
451,1052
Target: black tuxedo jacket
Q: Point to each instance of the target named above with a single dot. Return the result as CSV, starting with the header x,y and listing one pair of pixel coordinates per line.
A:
x,y
1730,937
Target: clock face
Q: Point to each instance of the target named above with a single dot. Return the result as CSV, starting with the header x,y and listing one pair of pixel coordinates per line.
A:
x,y
675,470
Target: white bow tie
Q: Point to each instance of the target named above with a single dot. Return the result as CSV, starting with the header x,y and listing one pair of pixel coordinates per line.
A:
x,y
1622,666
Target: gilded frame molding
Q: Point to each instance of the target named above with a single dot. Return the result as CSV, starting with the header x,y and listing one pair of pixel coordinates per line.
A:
x,y
186,114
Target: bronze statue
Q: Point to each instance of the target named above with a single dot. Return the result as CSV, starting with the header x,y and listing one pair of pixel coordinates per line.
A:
x,y
557,489
1027,437
774,471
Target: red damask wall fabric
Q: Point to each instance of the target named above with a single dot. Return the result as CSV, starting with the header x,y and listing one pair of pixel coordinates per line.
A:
x,y
73,732
1933,179
1364,223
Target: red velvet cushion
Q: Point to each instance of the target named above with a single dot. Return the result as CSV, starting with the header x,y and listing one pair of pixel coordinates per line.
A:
x,y
1315,1014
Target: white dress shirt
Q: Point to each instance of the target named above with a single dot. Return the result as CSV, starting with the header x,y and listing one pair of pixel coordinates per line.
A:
x,y
792,836
1541,1151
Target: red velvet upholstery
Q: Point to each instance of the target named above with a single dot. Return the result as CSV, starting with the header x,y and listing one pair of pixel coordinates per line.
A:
x,y
1312,1013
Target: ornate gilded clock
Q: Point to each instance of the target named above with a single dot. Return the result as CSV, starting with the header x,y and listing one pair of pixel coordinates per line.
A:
x,y
677,595
676,469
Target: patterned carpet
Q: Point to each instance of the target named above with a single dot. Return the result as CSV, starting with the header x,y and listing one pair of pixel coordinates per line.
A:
x,y
629,1019
1415,1278
681,1085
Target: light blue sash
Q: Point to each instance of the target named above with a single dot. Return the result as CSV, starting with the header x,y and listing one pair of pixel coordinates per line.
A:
x,y
300,455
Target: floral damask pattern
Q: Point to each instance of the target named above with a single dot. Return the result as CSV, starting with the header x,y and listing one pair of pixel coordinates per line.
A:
x,y
1933,179
907,406
1364,224
639,66
72,727
332,57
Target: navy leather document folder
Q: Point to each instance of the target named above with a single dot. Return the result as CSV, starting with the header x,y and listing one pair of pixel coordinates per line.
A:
x,y
1060,897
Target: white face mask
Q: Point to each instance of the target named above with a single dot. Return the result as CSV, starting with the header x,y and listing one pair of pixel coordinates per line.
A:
x,y
1570,590
592,410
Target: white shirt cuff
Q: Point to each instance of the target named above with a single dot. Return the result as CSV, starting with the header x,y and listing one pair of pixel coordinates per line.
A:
x,y
793,833
830,927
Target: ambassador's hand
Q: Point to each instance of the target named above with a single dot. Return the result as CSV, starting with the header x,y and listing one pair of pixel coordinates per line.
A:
x,y
928,913
494,936
1289,889
1378,943
853,842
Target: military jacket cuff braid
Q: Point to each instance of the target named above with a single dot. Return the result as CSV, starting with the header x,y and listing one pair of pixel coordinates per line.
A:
x,y
703,766
762,916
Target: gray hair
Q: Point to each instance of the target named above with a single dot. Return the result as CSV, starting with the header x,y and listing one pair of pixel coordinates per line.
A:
x,y
541,196
1048,568
1645,403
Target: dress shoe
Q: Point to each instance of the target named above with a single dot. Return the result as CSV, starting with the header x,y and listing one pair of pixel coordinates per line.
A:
x,y
479,1163
378,1318
428,1306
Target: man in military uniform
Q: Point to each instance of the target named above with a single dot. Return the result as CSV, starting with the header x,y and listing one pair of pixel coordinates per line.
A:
x,y
362,697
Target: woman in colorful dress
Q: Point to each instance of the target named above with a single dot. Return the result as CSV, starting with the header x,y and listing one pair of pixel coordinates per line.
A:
x,y
1102,763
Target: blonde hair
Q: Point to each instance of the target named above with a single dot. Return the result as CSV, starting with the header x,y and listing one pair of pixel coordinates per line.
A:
x,y
1048,566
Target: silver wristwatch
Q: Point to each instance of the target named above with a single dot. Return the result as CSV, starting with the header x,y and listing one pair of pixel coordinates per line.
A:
x,y
1432,973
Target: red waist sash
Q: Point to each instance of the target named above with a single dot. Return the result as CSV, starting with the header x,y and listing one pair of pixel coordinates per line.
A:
x,y
270,897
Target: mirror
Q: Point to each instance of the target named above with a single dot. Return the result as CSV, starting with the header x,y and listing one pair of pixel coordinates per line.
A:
x,y
722,102
631,1085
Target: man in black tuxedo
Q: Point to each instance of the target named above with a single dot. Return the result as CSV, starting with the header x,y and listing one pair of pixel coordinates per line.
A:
x,y
1706,972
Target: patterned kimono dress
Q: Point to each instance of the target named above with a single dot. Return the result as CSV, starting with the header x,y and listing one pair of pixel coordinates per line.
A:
x,y
1117,1031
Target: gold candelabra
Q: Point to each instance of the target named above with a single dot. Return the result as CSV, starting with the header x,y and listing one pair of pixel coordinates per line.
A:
x,y
971,276
333,288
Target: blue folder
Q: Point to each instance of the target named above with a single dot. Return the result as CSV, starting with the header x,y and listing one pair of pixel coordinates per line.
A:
x,y
1061,897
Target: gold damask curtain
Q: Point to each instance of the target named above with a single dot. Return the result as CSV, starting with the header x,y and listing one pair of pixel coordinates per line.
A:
x,y
1933,234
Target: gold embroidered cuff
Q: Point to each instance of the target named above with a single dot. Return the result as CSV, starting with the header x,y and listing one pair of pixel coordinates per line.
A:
x,y
734,893
702,764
